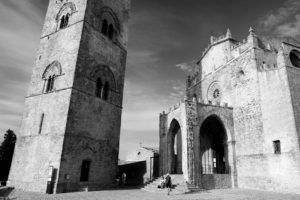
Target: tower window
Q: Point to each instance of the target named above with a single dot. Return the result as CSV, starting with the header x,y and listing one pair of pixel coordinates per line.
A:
x,y
277,147
111,32
64,21
50,74
104,27
85,170
102,91
50,84
99,88
106,91
64,14
41,123
67,20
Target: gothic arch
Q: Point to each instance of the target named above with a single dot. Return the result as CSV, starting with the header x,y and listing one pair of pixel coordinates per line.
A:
x,y
222,150
109,19
224,120
53,69
213,146
69,5
175,147
105,74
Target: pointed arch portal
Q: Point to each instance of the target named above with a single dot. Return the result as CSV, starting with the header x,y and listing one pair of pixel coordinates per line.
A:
x,y
175,148
213,147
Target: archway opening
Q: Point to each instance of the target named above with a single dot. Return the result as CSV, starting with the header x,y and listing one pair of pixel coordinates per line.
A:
x,y
176,148
213,147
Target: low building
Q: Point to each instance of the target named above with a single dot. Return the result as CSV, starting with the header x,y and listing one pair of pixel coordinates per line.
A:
x,y
141,166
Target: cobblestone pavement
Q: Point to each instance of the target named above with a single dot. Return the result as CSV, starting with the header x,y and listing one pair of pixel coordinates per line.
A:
x,y
136,194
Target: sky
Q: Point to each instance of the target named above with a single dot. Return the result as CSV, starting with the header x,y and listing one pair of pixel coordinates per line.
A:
x,y
164,35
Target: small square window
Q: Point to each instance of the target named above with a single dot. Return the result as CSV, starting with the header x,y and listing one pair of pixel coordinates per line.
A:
x,y
277,147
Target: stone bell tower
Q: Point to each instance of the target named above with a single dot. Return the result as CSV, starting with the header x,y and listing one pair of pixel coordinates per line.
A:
x,y
69,137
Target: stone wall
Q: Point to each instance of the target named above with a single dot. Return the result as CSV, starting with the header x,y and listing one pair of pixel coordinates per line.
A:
x,y
225,116
178,114
77,125
215,181
256,79
43,148
93,129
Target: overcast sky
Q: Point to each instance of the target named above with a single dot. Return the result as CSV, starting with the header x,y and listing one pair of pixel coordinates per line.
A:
x,y
164,35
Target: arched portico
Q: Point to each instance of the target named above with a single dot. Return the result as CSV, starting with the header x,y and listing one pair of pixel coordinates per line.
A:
x,y
215,164
213,147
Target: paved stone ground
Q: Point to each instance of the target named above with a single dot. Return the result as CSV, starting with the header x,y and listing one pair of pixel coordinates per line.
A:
x,y
137,194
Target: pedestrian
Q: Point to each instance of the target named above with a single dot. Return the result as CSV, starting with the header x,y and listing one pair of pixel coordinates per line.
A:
x,y
162,182
168,183
124,178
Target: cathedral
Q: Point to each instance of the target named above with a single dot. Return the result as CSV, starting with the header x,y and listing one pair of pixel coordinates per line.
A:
x,y
239,124
70,132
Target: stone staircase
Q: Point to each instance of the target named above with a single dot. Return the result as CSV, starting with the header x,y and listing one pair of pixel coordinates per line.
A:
x,y
180,186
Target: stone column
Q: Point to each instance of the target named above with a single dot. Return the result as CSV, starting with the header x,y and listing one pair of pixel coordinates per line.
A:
x,y
232,163
191,115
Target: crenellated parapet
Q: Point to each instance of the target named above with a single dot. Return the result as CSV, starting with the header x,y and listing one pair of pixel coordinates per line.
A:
x,y
174,107
217,40
197,101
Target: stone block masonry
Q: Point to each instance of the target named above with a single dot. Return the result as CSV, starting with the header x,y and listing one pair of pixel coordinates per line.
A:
x,y
70,132
245,132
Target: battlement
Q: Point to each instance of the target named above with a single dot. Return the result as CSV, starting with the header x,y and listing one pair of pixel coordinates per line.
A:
x,y
199,101
175,107
233,50
217,40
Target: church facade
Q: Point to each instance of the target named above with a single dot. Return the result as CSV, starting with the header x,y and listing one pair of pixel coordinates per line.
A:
x,y
239,124
70,132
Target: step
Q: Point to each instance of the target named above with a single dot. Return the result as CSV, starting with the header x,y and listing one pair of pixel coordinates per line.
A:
x,y
173,191
180,185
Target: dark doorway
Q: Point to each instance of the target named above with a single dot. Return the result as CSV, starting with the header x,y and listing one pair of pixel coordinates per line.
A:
x,y
85,170
213,147
176,148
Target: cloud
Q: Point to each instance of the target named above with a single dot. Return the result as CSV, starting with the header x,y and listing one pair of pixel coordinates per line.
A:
x,y
185,67
274,18
178,89
19,36
291,29
188,67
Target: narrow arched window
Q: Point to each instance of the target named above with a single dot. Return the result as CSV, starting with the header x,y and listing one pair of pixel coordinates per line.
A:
x,y
105,91
104,27
67,20
41,123
111,31
50,84
99,88
50,75
62,22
